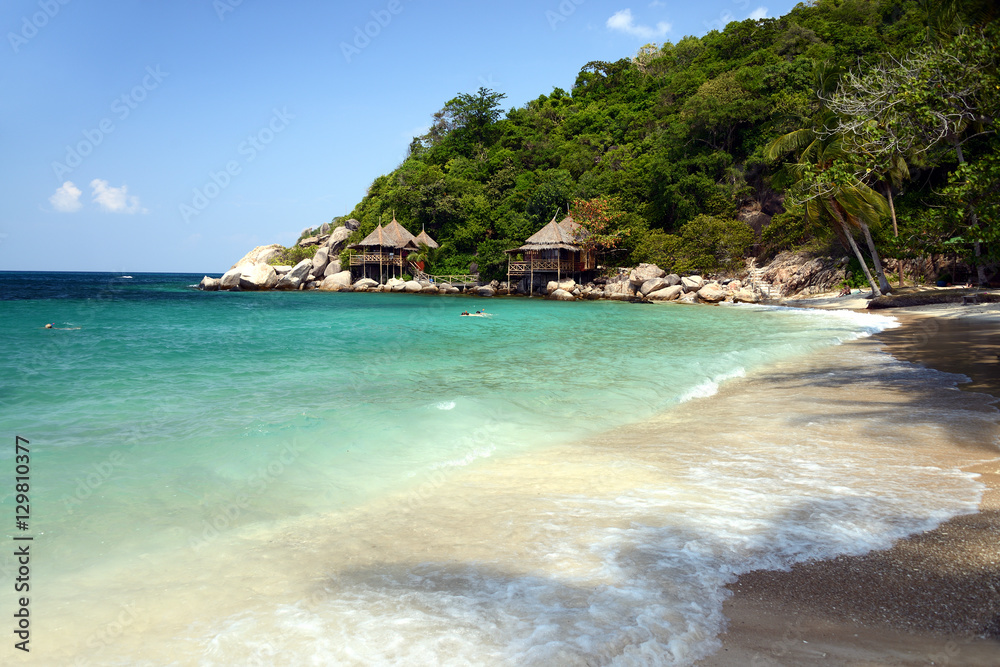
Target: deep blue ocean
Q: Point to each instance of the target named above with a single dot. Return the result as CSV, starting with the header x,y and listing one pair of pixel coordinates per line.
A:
x,y
339,478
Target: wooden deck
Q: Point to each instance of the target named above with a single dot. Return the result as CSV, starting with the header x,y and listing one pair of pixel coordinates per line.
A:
x,y
523,268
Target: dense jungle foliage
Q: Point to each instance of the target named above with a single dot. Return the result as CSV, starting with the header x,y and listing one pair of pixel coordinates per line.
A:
x,y
765,136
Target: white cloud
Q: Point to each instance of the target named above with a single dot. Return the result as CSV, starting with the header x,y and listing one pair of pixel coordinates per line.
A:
x,y
623,21
758,14
67,198
115,200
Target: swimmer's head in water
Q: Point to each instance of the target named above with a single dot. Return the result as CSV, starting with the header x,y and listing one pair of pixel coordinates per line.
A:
x,y
48,326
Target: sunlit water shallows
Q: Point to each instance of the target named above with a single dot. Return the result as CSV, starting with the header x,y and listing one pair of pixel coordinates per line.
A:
x,y
310,478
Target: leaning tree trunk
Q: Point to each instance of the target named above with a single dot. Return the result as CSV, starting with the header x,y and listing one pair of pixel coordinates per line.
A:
x,y
861,259
882,281
895,228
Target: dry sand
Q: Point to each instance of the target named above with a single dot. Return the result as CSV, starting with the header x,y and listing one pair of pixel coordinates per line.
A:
x,y
933,599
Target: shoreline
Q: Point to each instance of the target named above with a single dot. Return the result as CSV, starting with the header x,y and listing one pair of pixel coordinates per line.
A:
x,y
932,598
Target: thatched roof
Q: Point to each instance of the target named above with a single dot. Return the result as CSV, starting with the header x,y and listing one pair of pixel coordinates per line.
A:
x,y
393,235
565,235
425,239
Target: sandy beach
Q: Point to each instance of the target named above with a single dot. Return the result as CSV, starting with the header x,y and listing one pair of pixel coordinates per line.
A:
x,y
931,599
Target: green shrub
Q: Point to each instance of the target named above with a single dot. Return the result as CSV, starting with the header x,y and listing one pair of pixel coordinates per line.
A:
x,y
293,255
708,244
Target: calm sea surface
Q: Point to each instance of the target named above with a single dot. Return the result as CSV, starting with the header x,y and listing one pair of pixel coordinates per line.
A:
x,y
316,478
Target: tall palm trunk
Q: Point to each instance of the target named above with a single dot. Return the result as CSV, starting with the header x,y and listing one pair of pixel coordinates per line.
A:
x,y
854,246
895,227
882,280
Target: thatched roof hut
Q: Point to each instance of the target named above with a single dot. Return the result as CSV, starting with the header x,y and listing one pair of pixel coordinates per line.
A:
x,y
565,235
393,235
424,238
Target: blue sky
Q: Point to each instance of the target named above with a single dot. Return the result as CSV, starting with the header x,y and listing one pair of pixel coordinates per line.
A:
x,y
144,135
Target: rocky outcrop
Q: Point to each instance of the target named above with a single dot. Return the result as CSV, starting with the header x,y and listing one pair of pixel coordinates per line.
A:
x,y
262,254
353,225
802,273
209,284
230,279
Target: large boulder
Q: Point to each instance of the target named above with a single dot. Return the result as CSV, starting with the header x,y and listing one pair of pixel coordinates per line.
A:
x,y
296,277
485,290
319,261
620,291
652,285
551,287
332,267
412,286
666,294
343,279
258,277
429,289
692,283
209,284
567,285
712,293
331,284
561,295
352,225
309,241
262,254
644,272
230,278
324,228
337,238
365,285
745,296
282,269
673,279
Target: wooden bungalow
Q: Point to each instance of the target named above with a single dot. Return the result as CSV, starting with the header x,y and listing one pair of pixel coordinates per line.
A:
x,y
383,253
556,250
423,238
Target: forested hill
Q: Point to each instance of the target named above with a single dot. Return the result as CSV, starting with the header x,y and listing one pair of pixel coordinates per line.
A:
x,y
674,142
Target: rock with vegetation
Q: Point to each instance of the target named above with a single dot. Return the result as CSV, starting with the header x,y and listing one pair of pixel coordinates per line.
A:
x,y
262,254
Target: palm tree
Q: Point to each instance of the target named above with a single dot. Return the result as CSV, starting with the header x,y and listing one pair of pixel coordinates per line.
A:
x,y
827,184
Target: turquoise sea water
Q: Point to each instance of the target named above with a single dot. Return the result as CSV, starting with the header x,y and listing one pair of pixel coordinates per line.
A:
x,y
172,428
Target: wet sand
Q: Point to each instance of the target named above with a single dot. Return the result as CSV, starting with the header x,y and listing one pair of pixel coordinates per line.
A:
x,y
931,599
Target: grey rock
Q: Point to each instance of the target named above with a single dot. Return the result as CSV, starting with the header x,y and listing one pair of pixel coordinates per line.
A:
x,y
485,290
319,261
331,268
258,277
337,238
652,285
712,293
673,279
666,294
353,225
209,284
644,272
282,269
412,286
692,283
562,295
231,278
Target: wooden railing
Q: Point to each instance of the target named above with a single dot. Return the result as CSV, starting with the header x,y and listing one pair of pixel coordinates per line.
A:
x,y
375,258
455,277
523,267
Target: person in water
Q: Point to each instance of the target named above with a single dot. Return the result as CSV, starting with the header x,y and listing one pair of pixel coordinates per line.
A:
x,y
465,313
50,326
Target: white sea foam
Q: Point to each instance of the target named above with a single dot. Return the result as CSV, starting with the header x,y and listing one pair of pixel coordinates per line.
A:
x,y
710,386
445,405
